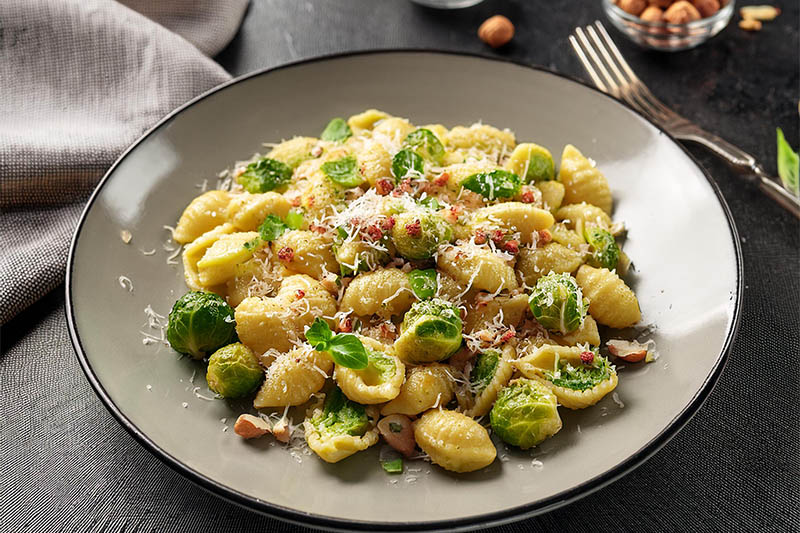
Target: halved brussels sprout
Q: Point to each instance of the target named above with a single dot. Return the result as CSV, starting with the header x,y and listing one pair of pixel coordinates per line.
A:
x,y
605,252
199,323
580,375
340,416
418,235
484,370
525,413
265,175
557,303
407,163
233,371
532,163
337,130
431,331
425,143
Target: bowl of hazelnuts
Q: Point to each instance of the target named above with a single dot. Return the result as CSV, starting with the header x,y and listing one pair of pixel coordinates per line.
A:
x,y
669,25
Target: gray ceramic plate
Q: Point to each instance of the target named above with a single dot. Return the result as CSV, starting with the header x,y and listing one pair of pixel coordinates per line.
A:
x,y
681,239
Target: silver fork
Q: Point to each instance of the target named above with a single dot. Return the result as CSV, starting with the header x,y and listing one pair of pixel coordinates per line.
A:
x,y
611,74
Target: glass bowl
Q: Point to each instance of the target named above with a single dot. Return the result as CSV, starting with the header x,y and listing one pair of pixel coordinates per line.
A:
x,y
665,36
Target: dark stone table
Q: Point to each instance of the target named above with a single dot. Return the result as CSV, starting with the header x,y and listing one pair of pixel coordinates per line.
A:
x,y
733,467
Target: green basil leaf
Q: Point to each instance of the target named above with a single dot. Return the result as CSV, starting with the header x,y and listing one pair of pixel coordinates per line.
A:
x,y
319,335
343,172
788,164
494,184
424,142
265,175
407,163
394,466
295,219
347,351
337,130
423,283
272,228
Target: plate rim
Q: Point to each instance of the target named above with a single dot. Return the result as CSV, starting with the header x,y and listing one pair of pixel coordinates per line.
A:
x,y
513,514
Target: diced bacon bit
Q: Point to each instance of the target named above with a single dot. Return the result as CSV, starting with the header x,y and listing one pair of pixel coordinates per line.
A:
x,y
384,186
629,351
386,332
281,430
497,237
250,427
527,196
346,325
300,294
587,357
295,201
544,237
316,151
414,229
310,201
450,214
405,185
374,233
507,336
317,228
387,223
511,246
480,236
286,254
442,179
398,433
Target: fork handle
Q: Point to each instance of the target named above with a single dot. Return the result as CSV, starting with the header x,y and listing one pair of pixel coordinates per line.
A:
x,y
737,157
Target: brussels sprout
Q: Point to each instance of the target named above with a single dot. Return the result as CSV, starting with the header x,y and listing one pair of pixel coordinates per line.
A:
x,y
587,373
532,162
494,184
425,143
418,235
605,252
424,283
199,323
525,413
431,331
407,163
484,370
233,371
343,172
265,175
341,416
557,303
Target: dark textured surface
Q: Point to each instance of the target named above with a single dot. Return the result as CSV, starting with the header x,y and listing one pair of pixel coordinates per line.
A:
x,y
67,465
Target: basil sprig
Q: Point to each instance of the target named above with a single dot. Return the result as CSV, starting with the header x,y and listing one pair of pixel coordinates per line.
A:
x,y
345,348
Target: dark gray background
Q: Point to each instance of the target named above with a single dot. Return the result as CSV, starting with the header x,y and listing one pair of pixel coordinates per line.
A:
x,y
67,465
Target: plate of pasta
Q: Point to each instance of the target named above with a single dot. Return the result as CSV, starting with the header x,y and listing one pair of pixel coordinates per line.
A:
x,y
401,294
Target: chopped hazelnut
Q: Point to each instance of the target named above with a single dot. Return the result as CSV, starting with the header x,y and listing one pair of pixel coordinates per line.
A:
x,y
634,7
250,427
706,7
652,14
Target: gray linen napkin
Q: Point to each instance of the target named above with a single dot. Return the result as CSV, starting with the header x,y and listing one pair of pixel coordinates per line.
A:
x,y
80,80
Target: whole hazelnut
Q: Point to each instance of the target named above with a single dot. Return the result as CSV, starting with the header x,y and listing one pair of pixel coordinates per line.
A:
x,y
634,7
496,31
660,3
706,7
652,14
681,12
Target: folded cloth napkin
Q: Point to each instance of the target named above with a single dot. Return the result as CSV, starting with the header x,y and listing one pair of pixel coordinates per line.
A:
x,y
80,80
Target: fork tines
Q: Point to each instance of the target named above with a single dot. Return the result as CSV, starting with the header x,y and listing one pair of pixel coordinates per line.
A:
x,y
611,73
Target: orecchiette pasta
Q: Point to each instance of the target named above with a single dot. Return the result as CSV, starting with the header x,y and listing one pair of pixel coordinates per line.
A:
x,y
409,272
454,441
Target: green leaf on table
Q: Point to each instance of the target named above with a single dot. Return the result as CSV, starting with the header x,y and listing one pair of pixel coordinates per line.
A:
x,y
347,351
788,165
343,172
423,283
272,228
395,466
494,184
319,335
337,130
